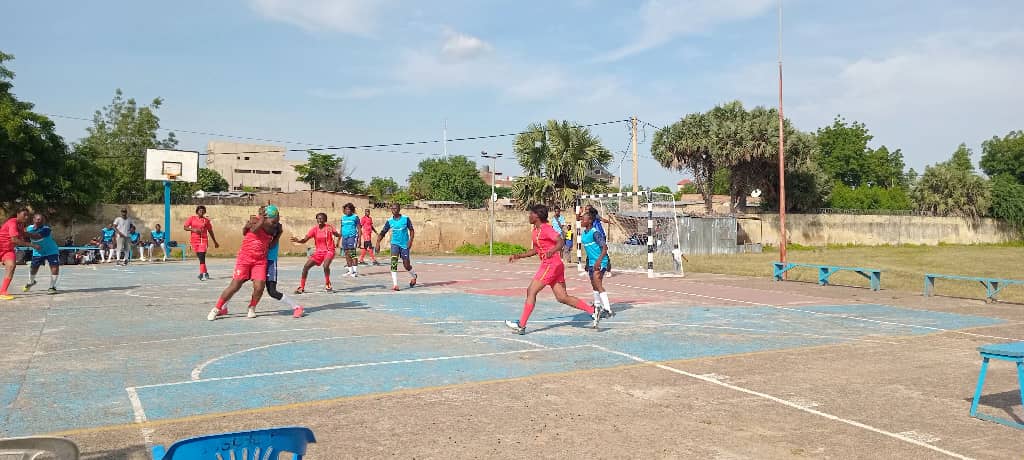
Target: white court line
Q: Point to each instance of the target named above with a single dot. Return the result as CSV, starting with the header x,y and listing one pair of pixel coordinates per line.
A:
x,y
788,404
176,339
858,318
137,411
198,370
352,366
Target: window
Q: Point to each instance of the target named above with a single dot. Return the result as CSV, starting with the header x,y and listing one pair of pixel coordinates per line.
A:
x,y
275,172
243,171
258,171
247,158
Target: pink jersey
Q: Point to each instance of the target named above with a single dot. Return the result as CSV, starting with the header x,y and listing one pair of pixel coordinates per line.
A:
x,y
199,223
323,237
255,244
367,223
7,231
544,238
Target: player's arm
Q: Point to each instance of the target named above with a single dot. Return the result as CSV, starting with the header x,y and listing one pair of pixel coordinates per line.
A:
x,y
213,237
603,244
309,235
412,233
557,248
515,257
17,240
380,236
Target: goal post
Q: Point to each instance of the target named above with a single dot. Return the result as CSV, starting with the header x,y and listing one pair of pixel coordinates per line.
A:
x,y
640,236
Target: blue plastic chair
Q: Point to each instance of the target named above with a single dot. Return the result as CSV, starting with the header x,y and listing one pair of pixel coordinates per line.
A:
x,y
243,445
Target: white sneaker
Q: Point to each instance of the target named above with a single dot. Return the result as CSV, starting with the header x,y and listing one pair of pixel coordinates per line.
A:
x,y
252,313
213,314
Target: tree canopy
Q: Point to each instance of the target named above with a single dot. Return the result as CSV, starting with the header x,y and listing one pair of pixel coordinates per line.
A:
x,y
324,171
558,159
845,156
453,178
947,189
1004,156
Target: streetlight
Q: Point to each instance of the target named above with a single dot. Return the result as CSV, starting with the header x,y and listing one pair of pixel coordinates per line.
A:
x,y
494,198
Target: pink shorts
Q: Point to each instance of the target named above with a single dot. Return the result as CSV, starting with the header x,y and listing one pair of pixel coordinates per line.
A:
x,y
7,254
550,273
250,268
320,257
200,246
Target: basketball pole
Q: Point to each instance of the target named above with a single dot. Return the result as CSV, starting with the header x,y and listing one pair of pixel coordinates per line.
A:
x,y
782,156
167,214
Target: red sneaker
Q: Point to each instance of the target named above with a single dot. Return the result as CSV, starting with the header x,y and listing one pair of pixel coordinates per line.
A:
x,y
395,288
297,312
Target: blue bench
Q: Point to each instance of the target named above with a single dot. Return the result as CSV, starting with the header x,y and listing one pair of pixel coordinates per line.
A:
x,y
826,271
992,285
1013,352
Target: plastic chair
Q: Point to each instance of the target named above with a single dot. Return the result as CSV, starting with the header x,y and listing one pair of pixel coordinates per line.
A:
x,y
31,448
242,445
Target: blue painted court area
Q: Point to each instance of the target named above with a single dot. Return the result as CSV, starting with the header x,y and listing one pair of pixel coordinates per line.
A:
x,y
132,353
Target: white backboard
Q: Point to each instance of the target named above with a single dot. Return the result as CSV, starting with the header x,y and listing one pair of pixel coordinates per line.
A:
x,y
172,165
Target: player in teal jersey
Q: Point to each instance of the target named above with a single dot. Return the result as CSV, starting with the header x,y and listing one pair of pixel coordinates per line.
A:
x,y
402,235
46,251
350,238
596,247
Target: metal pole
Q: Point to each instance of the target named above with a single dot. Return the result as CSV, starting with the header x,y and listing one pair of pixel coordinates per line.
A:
x,y
167,211
491,232
782,156
636,161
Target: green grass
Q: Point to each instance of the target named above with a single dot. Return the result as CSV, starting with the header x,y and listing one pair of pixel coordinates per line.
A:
x,y
500,248
904,266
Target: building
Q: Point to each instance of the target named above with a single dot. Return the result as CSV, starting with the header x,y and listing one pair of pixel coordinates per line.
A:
x,y
256,167
500,180
682,184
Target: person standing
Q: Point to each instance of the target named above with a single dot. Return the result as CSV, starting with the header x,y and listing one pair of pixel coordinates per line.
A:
x,y
402,235
677,259
366,224
12,235
596,248
47,252
547,245
201,230
122,225
350,238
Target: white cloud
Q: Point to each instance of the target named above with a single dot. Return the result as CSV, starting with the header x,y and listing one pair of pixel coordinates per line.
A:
x,y
356,17
660,21
461,46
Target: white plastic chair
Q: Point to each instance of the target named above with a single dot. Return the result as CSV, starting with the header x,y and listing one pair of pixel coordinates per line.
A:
x,y
38,447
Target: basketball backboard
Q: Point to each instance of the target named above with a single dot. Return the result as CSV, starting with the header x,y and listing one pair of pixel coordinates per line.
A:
x,y
172,165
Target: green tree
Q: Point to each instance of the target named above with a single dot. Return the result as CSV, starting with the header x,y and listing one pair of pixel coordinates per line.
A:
x,y
962,158
324,171
689,144
453,178
1004,156
117,140
37,166
503,192
559,159
869,197
383,188
1008,200
661,189
846,157
947,190
807,184
211,181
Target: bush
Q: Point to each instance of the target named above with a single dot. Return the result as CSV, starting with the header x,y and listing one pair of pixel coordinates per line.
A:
x,y
1008,200
867,197
500,248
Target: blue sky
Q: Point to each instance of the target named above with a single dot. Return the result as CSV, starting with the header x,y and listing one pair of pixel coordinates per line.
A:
x,y
923,75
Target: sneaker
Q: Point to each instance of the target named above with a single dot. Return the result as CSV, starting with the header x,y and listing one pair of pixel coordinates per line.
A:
x,y
6,297
215,313
51,291
297,312
597,317
252,313
201,277
375,263
395,288
300,291
28,286
329,288
206,276
412,282
514,325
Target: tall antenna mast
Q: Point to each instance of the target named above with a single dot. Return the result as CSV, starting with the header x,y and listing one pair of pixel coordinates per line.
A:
x,y
782,156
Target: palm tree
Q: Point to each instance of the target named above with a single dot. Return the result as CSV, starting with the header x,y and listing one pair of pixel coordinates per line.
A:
x,y
557,158
689,144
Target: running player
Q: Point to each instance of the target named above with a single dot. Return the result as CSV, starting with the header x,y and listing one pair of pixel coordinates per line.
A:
x,y
402,235
107,243
12,236
251,263
596,248
547,244
323,235
202,233
350,238
272,253
366,223
47,252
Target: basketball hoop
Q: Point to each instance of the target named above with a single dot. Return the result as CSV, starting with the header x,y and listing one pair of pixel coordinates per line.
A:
x,y
171,177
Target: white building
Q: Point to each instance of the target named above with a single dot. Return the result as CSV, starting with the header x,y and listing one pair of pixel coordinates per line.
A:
x,y
261,167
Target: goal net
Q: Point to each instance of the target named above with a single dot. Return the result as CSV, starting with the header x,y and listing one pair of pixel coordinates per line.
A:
x,y
641,229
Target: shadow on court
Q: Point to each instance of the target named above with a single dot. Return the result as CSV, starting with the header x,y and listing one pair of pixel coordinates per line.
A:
x,y
353,305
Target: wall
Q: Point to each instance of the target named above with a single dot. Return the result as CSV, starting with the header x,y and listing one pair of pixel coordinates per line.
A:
x,y
825,229
437,230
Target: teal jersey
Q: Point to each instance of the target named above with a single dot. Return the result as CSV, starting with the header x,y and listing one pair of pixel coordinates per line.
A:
x,y
135,237
47,246
399,231
108,235
349,226
593,242
158,237
272,252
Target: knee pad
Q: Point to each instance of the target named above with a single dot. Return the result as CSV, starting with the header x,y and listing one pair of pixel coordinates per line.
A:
x,y
394,263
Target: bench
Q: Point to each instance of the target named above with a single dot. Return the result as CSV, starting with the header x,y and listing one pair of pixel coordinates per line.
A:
x,y
992,285
1013,352
826,271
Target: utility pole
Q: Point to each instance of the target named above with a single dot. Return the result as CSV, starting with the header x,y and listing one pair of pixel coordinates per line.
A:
x,y
782,156
494,199
445,137
636,166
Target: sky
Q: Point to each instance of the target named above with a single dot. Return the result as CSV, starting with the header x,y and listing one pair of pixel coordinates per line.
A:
x,y
923,75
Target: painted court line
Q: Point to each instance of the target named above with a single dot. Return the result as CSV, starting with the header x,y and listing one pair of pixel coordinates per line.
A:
x,y
858,318
137,411
793,405
177,339
198,370
358,365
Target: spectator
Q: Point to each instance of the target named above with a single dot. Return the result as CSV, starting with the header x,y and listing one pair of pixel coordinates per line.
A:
x,y
106,243
677,258
158,239
122,225
134,240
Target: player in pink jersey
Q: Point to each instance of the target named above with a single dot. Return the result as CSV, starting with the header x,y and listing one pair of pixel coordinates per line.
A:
x,y
201,231
323,235
251,263
547,244
12,235
368,230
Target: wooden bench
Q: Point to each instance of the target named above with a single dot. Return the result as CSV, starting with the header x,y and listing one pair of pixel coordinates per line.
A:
x,y
825,272
1013,352
992,285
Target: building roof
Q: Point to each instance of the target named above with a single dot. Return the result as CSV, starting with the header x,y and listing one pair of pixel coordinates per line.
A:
x,y
684,182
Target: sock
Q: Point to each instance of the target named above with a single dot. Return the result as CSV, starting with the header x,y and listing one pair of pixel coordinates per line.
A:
x,y
302,283
527,311
3,287
202,268
362,256
253,302
412,273
349,270
355,270
290,302
394,278
31,277
220,303
585,307
597,298
53,281
605,302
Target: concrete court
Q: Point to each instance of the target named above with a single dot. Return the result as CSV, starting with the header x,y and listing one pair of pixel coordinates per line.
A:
x,y
704,367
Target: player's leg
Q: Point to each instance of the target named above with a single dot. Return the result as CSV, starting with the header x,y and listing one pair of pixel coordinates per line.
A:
x,y
225,295
310,263
272,280
201,256
164,250
327,271
395,254
33,270
563,296
54,274
407,262
597,281
519,327
9,260
257,294
362,256
351,254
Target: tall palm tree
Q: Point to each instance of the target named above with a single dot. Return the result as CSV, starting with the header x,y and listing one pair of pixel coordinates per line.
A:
x,y
557,158
689,144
